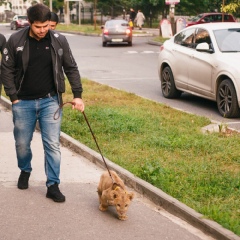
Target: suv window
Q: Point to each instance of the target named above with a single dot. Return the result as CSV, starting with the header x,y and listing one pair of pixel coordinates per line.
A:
x,y
201,36
185,38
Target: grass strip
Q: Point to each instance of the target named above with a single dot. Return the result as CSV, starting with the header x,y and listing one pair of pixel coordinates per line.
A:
x,y
164,147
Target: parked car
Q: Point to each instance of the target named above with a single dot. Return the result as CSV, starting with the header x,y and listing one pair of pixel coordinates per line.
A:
x,y
116,31
19,21
210,18
203,60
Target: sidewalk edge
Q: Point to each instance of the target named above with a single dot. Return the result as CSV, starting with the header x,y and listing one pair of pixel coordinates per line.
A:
x,y
154,194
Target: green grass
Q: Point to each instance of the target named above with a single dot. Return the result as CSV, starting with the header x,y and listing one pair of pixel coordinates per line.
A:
x,y
88,29
165,147
160,39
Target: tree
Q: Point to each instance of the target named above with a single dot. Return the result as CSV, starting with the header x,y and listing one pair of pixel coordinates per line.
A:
x,y
56,4
232,7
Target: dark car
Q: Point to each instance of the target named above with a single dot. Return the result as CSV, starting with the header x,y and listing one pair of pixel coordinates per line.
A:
x,y
19,21
211,17
116,31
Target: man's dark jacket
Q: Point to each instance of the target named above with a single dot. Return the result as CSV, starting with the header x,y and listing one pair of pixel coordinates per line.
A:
x,y
15,61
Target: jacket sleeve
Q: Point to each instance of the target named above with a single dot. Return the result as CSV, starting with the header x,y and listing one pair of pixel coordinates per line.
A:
x,y
8,70
2,42
71,70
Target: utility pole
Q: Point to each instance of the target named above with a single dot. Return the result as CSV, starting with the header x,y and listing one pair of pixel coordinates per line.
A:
x,y
95,14
66,12
223,4
50,5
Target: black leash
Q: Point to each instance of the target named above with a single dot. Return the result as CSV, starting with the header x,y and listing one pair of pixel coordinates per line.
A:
x,y
85,117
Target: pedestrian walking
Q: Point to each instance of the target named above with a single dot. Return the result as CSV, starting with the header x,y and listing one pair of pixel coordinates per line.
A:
x,y
53,21
140,18
130,22
132,16
32,73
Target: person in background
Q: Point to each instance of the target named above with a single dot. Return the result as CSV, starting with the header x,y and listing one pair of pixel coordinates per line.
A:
x,y
2,44
53,21
33,62
130,22
132,16
140,18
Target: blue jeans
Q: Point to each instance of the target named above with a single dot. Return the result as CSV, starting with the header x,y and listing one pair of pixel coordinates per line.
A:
x,y
25,116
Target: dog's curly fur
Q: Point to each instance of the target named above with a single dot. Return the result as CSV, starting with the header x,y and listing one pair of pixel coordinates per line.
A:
x,y
110,193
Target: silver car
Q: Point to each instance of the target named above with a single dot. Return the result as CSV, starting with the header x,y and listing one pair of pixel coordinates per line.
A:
x,y
204,60
116,31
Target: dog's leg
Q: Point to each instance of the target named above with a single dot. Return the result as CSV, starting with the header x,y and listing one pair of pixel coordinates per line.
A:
x,y
103,202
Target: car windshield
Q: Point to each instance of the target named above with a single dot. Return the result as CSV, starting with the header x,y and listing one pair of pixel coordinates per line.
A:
x,y
228,40
196,18
116,23
22,17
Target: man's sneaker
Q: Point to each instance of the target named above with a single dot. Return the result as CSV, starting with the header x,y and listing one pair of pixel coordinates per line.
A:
x,y
54,193
23,180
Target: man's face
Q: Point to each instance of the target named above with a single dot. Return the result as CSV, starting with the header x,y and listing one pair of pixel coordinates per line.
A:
x,y
38,30
52,25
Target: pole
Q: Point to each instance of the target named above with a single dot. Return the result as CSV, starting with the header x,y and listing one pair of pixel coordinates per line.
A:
x,y
79,13
95,14
223,4
50,5
171,13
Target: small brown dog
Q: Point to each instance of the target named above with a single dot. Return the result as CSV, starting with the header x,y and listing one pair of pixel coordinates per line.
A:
x,y
115,194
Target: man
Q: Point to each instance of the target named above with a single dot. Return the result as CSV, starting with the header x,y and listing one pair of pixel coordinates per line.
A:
x,y
53,21
132,14
2,44
34,81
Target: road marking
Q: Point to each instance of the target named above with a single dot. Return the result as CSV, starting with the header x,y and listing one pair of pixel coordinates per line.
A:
x,y
143,52
131,52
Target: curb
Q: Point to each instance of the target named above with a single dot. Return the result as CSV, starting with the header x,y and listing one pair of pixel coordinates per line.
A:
x,y
154,194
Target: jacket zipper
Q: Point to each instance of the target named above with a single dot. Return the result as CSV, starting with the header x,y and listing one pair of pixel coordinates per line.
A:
x,y
23,73
56,72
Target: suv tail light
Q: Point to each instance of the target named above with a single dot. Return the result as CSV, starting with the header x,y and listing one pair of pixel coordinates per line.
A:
x,y
161,48
128,31
105,32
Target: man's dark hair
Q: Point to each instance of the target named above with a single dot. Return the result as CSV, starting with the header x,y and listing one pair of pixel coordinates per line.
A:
x,y
54,17
39,13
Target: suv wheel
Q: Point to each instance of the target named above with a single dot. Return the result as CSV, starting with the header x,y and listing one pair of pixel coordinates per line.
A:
x,y
14,26
227,99
168,87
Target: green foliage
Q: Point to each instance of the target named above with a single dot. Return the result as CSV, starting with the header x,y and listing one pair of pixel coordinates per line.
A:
x,y
231,8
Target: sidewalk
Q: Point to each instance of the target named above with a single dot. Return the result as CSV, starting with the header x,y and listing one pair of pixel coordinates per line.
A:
x,y
28,214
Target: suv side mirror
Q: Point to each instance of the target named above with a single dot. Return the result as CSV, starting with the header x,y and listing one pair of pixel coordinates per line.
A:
x,y
204,47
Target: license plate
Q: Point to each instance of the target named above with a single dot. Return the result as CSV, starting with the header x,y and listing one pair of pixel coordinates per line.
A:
x,y
117,40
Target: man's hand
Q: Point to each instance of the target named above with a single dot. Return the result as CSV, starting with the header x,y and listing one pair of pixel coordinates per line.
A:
x,y
16,101
78,104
